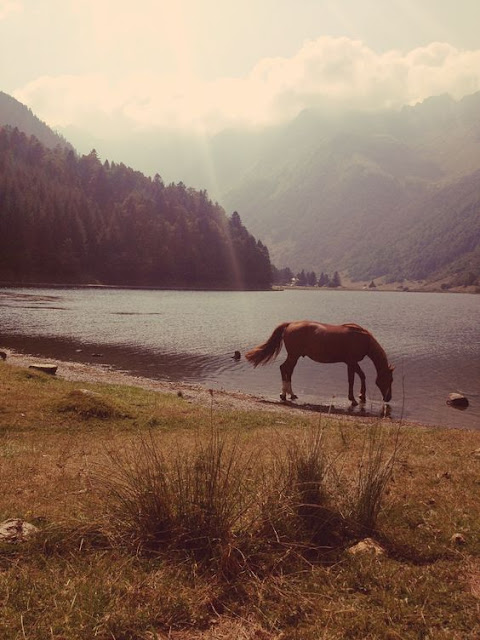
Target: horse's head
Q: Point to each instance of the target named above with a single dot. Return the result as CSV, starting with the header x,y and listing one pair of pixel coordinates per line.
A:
x,y
384,382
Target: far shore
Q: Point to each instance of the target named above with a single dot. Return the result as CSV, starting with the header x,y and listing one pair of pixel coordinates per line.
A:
x,y
406,287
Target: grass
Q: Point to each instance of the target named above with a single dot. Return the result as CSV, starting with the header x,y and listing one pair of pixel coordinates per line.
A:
x,y
158,518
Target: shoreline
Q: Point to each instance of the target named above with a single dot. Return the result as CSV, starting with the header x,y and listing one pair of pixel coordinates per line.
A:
x,y
412,287
197,394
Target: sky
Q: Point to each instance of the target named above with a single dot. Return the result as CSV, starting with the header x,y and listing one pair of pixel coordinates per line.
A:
x,y
203,65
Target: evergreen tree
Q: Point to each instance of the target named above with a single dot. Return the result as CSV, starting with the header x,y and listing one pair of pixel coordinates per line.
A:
x,y
302,278
323,280
335,281
65,218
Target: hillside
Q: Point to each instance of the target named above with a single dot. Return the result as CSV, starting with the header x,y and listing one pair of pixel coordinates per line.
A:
x,y
73,219
15,114
357,192
391,194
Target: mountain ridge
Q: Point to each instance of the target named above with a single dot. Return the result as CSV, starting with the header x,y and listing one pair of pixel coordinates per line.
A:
x,y
366,193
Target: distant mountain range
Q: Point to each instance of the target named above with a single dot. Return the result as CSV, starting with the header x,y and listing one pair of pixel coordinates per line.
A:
x,y
392,193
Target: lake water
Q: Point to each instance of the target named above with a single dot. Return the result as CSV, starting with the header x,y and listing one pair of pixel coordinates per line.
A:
x,y
432,339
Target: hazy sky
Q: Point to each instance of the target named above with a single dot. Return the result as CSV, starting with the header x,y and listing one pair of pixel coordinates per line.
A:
x,y
101,64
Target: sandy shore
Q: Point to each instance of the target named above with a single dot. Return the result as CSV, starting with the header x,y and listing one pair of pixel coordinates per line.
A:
x,y
228,400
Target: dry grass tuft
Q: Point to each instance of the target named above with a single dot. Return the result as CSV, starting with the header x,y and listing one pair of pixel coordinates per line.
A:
x,y
89,404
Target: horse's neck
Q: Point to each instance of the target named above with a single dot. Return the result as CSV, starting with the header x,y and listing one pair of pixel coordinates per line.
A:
x,y
377,355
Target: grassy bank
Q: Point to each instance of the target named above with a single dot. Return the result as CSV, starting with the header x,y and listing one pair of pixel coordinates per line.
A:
x,y
160,518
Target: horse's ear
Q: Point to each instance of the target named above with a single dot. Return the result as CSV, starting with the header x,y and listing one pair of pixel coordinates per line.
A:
x,y
391,367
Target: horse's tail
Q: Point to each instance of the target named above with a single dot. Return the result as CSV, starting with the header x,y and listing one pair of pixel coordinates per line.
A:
x,y
270,349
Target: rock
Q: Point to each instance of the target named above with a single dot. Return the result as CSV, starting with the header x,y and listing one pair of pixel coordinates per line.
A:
x,y
458,539
457,400
16,530
368,545
3,355
46,368
86,392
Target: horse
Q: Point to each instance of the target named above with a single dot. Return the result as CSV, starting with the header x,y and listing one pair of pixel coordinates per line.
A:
x,y
348,343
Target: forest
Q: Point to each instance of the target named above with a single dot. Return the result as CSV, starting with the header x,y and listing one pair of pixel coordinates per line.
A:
x,y
71,219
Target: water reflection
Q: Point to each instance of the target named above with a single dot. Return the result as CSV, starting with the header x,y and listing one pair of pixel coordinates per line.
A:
x,y
175,367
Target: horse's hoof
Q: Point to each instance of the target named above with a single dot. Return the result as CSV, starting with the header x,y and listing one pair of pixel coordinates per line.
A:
x,y
293,397
354,402
283,397
362,399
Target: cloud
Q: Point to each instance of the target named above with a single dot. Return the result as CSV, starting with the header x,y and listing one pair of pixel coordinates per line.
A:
x,y
332,73
8,7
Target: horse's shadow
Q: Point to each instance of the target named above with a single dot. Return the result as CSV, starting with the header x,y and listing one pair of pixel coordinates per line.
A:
x,y
359,411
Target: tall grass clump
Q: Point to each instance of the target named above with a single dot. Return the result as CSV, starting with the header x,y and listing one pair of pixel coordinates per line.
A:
x,y
211,494
138,495
191,499
298,508
214,501
374,470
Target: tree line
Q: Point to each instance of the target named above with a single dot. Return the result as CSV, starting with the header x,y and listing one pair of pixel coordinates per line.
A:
x,y
66,218
304,278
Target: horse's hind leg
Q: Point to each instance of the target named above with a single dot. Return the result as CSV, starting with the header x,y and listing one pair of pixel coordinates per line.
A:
x,y
286,370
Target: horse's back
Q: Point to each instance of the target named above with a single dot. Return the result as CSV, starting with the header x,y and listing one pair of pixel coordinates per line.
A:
x,y
327,342
351,326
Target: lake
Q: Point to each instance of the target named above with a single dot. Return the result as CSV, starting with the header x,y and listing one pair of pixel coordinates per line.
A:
x,y
432,339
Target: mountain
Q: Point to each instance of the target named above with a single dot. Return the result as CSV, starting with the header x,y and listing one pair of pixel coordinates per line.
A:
x,y
370,194
66,218
15,114
390,193
393,194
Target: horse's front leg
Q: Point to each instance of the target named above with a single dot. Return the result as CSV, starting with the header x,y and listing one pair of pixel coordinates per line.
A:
x,y
351,378
363,388
286,369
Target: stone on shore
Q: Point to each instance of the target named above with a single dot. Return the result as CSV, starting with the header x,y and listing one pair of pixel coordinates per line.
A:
x,y
51,369
457,400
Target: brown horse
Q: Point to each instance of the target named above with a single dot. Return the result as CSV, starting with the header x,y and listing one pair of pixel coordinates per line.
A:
x,y
347,343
